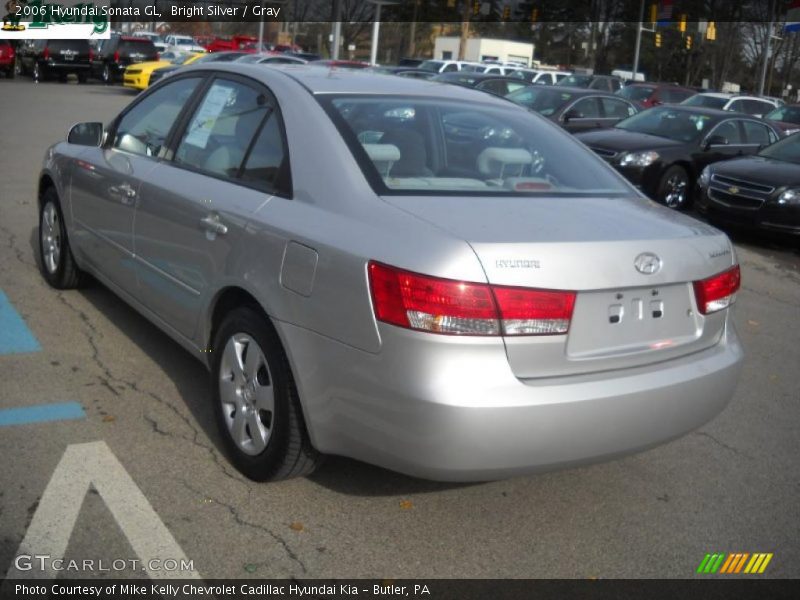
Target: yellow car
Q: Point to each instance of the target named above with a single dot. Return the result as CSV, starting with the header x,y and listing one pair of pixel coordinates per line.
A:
x,y
137,76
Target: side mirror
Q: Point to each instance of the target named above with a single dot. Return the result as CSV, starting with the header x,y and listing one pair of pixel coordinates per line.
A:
x,y
86,134
715,140
572,114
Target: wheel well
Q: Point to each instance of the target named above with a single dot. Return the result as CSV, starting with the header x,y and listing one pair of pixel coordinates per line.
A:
x,y
688,168
227,300
45,183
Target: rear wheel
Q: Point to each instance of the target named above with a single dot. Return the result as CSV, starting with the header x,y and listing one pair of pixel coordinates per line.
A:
x,y
674,188
255,400
106,76
11,72
37,72
57,264
18,68
82,77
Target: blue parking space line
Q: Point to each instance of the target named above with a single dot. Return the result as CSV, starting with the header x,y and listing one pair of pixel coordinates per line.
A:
x,y
40,413
15,337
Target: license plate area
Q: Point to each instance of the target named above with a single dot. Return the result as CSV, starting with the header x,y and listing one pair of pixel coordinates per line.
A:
x,y
633,320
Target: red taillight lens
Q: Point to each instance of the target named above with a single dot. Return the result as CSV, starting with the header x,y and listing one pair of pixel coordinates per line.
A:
x,y
717,292
416,301
46,53
116,56
91,55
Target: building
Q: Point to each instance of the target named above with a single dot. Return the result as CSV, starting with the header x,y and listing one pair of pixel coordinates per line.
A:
x,y
481,49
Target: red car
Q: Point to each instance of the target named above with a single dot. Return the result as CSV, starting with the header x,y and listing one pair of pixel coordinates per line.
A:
x,y
239,43
7,58
653,94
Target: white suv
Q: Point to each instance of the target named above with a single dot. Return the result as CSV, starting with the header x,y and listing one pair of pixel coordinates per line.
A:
x,y
449,66
750,105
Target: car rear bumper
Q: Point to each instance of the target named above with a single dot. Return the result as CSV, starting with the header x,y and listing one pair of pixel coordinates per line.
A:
x,y
450,409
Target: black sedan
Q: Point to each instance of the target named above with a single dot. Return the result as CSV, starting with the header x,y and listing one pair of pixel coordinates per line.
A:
x,y
761,191
663,150
493,84
575,109
785,119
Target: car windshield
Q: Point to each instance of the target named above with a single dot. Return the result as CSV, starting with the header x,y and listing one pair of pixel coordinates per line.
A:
x,y
706,101
424,146
788,114
576,81
786,150
670,123
544,100
636,92
431,65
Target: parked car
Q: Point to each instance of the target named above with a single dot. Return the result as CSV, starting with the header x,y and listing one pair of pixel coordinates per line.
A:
x,y
448,66
236,43
653,94
785,119
8,58
416,74
493,84
606,83
306,56
663,150
210,57
575,109
757,192
274,58
118,53
339,64
436,269
410,62
137,76
42,59
749,105
185,43
540,77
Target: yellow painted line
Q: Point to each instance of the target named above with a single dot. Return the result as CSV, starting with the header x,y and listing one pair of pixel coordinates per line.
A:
x,y
758,562
741,562
725,566
765,563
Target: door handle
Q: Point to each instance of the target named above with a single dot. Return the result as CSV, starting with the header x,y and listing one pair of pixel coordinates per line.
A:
x,y
124,192
212,224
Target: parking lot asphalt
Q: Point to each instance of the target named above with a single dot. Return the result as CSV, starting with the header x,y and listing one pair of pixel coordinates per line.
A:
x,y
134,430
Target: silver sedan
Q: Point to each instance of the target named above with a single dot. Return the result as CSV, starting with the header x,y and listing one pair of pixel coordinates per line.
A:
x,y
415,275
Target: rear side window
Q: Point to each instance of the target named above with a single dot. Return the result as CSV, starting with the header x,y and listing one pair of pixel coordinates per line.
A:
x,y
221,129
616,109
757,133
144,128
267,163
588,108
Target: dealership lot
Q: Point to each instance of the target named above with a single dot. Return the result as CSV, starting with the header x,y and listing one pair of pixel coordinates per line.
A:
x,y
135,414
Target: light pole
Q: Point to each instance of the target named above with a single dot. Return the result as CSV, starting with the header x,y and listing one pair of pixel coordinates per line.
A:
x,y
639,27
767,49
376,28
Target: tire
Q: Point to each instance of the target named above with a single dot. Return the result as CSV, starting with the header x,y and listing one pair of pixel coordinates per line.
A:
x,y
675,188
56,263
82,77
18,68
37,73
254,389
11,72
106,75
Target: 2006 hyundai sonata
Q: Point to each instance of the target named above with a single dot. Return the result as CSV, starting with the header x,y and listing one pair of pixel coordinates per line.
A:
x,y
414,275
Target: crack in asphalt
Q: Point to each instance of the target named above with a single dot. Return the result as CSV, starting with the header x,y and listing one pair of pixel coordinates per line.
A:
x,y
108,380
19,253
763,294
245,523
723,444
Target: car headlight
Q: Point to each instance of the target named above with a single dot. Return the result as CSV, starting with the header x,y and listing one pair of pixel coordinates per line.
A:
x,y
638,159
790,196
705,177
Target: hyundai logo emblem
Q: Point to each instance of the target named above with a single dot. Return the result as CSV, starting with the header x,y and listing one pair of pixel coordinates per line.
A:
x,y
647,263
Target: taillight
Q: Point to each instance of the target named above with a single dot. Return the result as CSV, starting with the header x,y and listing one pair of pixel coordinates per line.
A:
x,y
116,56
717,292
91,55
426,303
46,53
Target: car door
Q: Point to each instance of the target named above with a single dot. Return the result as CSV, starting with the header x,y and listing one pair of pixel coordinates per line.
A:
x,y
583,115
193,211
731,132
106,180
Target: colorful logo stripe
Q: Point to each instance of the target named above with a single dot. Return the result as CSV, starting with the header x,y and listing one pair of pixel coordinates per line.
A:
x,y
721,562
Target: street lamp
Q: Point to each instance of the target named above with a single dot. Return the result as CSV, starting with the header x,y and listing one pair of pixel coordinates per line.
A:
x,y
376,28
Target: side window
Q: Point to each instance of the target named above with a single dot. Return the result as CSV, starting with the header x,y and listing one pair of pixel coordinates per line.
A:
x,y
756,133
588,108
756,107
144,129
730,131
267,164
495,86
737,105
221,129
449,68
616,109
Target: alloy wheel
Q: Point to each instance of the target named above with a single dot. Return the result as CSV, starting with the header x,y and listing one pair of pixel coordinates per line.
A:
x,y
675,190
50,230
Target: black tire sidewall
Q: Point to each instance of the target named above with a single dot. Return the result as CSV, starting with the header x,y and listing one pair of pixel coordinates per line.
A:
x,y
254,323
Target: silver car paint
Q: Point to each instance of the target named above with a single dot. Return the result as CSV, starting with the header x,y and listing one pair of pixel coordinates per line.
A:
x,y
435,406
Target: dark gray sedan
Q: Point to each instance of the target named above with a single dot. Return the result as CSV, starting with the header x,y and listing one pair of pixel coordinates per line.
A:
x,y
420,276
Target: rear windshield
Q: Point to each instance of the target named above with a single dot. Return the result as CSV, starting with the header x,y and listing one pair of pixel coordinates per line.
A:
x,y
788,114
636,92
576,81
427,146
137,46
79,45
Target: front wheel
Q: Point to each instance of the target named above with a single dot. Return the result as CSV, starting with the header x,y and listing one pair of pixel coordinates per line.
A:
x,y
57,263
255,400
37,72
106,75
674,189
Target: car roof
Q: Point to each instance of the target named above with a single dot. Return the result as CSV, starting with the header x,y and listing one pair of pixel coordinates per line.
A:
x,y
716,95
325,80
575,91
